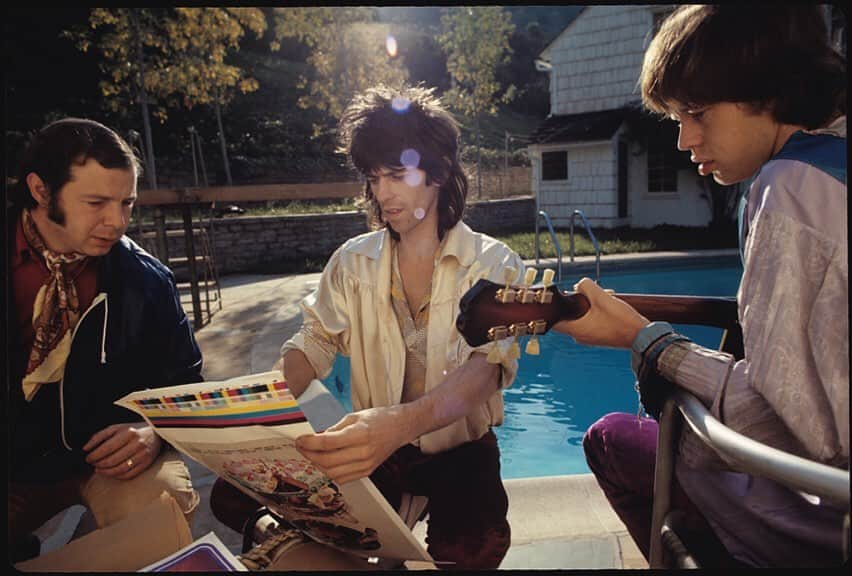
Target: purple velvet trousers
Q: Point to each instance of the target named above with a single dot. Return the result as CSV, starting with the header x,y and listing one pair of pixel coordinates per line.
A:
x,y
621,450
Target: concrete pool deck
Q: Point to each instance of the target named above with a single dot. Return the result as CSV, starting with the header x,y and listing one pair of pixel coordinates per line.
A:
x,y
557,521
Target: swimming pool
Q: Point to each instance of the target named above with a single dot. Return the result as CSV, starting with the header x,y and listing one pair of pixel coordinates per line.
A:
x,y
560,393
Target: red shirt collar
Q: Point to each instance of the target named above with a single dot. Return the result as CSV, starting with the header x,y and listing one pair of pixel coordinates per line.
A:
x,y
23,250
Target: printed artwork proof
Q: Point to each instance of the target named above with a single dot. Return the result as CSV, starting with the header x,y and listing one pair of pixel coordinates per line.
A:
x,y
244,430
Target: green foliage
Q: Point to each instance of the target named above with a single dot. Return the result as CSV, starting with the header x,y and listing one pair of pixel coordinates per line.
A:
x,y
198,41
493,158
283,104
533,93
182,58
348,54
117,36
476,41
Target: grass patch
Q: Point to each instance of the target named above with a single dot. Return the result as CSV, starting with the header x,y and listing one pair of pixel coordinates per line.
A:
x,y
276,208
623,240
300,207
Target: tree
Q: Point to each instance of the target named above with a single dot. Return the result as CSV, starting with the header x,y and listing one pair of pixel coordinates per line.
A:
x,y
476,41
349,52
131,46
533,95
168,58
198,40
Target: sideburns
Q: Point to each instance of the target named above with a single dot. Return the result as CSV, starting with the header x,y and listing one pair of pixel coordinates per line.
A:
x,y
54,212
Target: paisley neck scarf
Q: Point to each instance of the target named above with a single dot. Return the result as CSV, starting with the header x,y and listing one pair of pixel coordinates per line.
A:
x,y
56,311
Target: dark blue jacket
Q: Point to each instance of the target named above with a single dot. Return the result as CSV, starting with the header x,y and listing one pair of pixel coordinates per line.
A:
x,y
134,336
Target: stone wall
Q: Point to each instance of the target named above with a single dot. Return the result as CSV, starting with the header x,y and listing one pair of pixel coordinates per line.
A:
x,y
275,243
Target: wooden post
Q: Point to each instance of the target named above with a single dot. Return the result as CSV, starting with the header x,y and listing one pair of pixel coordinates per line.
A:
x,y
189,238
162,240
504,184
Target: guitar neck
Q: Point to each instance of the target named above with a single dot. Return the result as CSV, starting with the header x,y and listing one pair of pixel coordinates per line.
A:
x,y
709,311
489,311
704,310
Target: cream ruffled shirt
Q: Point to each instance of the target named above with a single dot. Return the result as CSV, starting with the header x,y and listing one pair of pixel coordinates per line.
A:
x,y
351,313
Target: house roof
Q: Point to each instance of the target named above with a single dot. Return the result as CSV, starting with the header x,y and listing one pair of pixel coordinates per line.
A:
x,y
545,53
584,127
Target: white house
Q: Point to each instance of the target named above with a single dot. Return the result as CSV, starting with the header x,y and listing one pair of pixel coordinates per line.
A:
x,y
597,151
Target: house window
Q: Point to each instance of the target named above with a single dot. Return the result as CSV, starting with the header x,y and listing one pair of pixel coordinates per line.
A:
x,y
662,167
664,159
554,165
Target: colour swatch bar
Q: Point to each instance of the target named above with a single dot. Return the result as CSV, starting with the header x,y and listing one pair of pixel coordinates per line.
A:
x,y
253,404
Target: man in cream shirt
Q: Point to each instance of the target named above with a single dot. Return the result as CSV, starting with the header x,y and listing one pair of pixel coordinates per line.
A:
x,y
424,401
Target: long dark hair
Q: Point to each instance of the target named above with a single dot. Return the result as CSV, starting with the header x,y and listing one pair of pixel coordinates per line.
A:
x,y
775,57
382,122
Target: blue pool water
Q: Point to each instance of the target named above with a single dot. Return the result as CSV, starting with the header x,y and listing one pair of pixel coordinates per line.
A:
x,y
560,393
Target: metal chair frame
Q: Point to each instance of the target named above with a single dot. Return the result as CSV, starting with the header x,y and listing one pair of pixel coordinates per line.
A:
x,y
745,455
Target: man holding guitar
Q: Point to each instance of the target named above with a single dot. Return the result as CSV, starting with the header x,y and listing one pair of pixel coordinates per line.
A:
x,y
758,93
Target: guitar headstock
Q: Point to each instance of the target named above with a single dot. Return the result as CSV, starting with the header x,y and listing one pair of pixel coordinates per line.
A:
x,y
489,312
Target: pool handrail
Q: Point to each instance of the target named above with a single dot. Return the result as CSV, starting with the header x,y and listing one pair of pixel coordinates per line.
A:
x,y
743,453
594,240
556,246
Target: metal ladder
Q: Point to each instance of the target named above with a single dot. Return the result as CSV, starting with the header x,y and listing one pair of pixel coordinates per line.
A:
x,y
542,213
558,248
593,239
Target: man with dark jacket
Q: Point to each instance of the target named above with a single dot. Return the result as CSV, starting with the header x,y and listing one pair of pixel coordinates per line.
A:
x,y
91,318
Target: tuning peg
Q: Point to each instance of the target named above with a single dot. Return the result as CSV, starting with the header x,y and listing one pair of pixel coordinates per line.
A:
x,y
506,294
544,295
532,347
525,295
509,274
494,355
514,351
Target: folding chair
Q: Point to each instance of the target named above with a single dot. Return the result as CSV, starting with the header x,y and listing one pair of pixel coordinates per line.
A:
x,y
746,455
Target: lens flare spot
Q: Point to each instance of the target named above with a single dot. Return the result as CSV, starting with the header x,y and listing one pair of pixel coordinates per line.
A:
x,y
410,158
400,104
413,177
390,44
419,213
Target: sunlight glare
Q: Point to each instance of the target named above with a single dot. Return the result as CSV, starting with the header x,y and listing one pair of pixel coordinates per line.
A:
x,y
409,158
413,177
400,104
390,44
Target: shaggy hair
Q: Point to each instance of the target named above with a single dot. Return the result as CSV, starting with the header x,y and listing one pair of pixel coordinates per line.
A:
x,y
382,122
775,57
